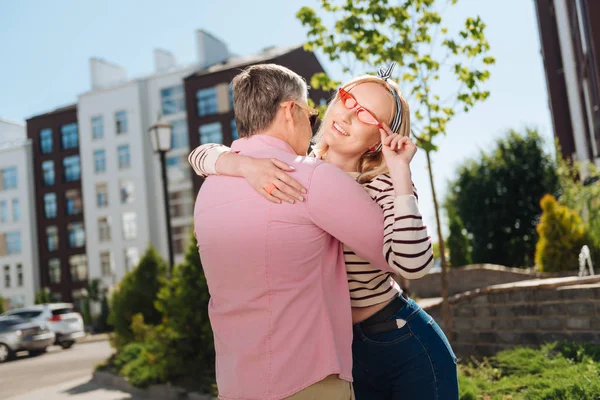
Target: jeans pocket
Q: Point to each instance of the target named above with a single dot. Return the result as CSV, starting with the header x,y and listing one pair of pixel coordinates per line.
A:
x,y
442,337
391,337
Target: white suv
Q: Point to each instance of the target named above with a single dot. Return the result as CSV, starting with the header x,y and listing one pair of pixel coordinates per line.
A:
x,y
61,318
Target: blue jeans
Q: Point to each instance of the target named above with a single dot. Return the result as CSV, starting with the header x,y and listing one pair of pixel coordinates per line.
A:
x,y
414,362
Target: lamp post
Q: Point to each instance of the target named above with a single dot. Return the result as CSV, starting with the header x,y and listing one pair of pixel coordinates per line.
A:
x,y
161,136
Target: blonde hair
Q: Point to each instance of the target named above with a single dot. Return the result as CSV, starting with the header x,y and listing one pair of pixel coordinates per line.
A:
x,y
371,163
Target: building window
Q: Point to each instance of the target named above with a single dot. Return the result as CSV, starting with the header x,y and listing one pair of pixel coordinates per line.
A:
x,y
106,263
50,205
124,157
46,141
3,211
97,127
48,173
79,268
172,100
179,239
72,168
52,238
180,138
177,169
181,203
126,190
129,225
76,235
103,229
19,275
7,276
132,257
211,133
54,272
9,178
206,100
234,131
13,243
231,97
100,161
121,122
16,209
69,136
74,204
101,195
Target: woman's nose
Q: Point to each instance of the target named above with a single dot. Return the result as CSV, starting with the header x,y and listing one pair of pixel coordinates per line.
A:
x,y
345,115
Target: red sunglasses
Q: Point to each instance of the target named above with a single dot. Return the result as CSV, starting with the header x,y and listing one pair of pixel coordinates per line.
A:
x,y
362,113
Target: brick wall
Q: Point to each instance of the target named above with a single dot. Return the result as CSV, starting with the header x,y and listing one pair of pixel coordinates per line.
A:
x,y
527,313
464,279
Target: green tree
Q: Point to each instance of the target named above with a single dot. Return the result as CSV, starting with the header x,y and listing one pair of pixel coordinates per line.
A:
x,y
582,196
2,308
562,234
497,198
365,34
137,293
458,243
193,338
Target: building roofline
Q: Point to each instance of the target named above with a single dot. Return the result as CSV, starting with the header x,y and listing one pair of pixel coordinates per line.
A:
x,y
12,122
59,110
269,53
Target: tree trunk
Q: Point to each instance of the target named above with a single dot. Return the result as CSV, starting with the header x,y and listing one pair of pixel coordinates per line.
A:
x,y
446,316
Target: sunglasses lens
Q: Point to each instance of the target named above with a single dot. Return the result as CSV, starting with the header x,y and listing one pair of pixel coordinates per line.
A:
x,y
367,117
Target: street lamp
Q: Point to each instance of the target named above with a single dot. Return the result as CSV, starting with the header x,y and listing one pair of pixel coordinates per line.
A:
x,y
160,136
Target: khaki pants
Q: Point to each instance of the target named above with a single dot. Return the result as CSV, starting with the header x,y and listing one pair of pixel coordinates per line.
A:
x,y
330,388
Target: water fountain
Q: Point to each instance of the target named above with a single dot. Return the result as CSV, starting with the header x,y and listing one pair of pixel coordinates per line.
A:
x,y
585,260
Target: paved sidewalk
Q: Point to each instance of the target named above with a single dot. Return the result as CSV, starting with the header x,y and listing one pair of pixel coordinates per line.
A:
x,y
79,389
100,337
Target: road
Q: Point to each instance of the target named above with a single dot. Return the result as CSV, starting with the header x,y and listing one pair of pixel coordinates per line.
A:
x,y
29,375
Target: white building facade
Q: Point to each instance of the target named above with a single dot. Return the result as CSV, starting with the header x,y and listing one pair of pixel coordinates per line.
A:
x,y
121,179
19,272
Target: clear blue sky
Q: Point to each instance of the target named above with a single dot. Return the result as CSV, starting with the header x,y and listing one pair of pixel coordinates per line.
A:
x,y
46,46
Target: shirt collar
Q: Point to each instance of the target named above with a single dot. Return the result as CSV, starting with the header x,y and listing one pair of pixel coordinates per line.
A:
x,y
255,142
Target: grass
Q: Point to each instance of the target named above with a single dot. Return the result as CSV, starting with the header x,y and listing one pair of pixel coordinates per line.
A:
x,y
559,371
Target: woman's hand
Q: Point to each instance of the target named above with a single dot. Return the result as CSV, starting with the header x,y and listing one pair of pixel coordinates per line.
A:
x,y
398,152
396,149
260,172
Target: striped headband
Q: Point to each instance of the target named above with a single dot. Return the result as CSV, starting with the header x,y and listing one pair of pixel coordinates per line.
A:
x,y
385,74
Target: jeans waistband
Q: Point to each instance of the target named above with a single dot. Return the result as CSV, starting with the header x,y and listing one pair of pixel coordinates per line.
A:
x,y
387,312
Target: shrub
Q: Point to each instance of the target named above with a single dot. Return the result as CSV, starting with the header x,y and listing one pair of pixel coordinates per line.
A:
x,y
556,371
562,234
458,243
137,293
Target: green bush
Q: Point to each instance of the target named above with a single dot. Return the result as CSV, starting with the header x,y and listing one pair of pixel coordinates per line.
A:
x,y
2,308
556,371
43,296
137,293
194,345
561,236
180,349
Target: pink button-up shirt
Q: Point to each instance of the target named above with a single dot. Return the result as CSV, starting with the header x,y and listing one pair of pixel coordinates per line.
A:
x,y
280,306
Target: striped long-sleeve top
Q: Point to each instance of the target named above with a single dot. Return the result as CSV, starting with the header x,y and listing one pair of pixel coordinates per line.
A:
x,y
407,246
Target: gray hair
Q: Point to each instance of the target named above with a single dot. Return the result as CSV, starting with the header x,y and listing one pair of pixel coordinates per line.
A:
x,y
257,92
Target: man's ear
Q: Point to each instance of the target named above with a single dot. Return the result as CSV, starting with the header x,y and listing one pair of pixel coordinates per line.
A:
x,y
289,112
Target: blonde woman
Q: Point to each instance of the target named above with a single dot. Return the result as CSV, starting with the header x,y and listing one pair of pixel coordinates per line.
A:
x,y
399,351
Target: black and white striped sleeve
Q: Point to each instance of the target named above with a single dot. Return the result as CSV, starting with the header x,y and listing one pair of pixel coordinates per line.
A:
x,y
407,246
203,158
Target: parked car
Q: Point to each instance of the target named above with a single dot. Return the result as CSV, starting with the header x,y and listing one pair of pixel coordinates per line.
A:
x,y
62,319
18,334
